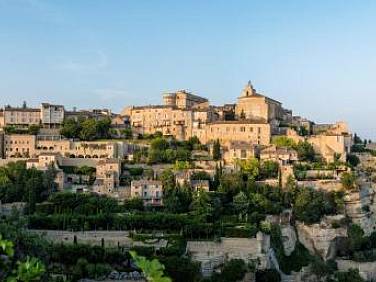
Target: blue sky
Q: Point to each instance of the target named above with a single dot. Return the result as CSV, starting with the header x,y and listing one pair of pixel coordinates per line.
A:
x,y
317,57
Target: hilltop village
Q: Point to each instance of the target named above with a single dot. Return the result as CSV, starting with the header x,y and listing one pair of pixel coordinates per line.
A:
x,y
239,192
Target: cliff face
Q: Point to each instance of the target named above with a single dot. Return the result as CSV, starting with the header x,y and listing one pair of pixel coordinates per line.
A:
x,y
320,239
360,207
289,239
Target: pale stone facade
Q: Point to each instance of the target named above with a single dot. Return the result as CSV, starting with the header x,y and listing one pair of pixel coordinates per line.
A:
x,y
330,144
238,150
252,105
253,132
52,115
278,154
23,145
107,176
22,117
184,100
150,191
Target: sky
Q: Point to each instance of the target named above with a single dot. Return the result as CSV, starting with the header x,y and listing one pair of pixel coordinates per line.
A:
x,y
317,57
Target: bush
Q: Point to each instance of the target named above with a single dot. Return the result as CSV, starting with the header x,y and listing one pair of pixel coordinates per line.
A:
x,y
269,275
246,231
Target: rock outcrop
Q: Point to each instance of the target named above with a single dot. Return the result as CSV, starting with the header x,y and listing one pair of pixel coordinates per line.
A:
x,y
320,239
289,239
360,207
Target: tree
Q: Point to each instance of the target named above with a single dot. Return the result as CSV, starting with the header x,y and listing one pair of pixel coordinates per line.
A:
x,y
305,151
103,128
283,141
353,160
127,133
201,205
216,150
348,180
269,169
177,199
250,167
70,129
269,275
89,130
309,205
241,204
357,139
33,129
31,269
233,270
152,269
350,276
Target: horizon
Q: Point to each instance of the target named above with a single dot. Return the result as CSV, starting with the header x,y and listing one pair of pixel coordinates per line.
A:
x,y
316,58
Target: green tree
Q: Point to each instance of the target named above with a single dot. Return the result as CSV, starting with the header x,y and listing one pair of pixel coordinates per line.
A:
x,y
127,133
348,181
241,204
350,276
233,270
305,151
250,167
216,150
152,269
201,205
177,199
70,129
103,128
283,141
34,129
353,160
28,270
89,130
269,169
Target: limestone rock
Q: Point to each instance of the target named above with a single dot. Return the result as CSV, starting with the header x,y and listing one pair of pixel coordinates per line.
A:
x,y
321,238
288,238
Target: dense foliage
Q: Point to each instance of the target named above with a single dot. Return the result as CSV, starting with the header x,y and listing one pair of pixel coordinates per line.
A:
x,y
86,129
18,184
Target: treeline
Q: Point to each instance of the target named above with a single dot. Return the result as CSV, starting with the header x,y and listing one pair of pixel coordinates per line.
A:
x,y
136,221
86,129
164,150
19,184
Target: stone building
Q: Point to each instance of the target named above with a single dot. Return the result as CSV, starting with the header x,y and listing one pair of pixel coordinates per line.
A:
x,y
184,100
184,115
251,131
278,154
24,145
150,191
252,105
46,161
52,116
238,150
107,176
19,117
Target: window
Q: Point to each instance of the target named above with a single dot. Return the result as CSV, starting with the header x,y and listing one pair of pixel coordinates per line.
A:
x,y
243,154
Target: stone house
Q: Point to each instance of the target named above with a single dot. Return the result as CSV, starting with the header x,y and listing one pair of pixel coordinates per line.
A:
x,y
150,191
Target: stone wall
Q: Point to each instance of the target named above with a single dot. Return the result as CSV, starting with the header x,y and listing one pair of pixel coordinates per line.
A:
x,y
367,270
327,185
212,254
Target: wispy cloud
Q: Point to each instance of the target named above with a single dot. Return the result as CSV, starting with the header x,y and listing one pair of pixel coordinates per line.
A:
x,y
95,64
